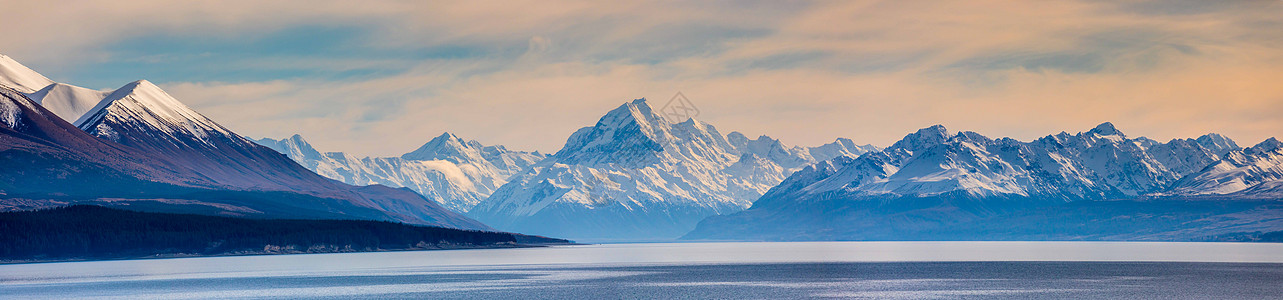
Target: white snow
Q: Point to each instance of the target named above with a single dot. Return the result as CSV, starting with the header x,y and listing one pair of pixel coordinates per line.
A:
x,y
11,110
634,174
453,171
18,77
68,102
146,105
9,113
1099,164
1240,171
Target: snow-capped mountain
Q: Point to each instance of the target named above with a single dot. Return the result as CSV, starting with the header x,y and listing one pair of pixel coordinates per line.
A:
x,y
636,175
66,101
41,153
1255,172
139,146
934,176
20,78
455,172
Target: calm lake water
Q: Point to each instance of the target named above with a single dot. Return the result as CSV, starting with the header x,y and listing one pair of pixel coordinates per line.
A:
x,y
913,270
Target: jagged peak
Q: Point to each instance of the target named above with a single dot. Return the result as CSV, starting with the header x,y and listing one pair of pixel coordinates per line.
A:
x,y
297,140
1270,144
650,125
935,128
452,140
971,136
1216,141
737,138
295,147
923,138
446,145
633,111
1106,129
447,135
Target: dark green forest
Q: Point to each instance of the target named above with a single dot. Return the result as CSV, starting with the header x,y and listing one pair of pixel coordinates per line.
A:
x,y
95,232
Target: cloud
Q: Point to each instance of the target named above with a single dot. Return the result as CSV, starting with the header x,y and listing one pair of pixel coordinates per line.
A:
x,y
383,77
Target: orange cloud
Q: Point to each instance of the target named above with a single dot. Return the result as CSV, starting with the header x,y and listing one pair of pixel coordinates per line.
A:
x,y
806,72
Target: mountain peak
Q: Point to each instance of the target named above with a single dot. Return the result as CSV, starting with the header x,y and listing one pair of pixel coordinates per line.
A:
x,y
1216,142
972,136
637,110
1106,129
1267,145
19,77
294,147
444,146
298,139
632,132
144,104
923,138
447,136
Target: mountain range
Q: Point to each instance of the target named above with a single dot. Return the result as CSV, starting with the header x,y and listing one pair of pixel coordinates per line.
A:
x,y
456,172
936,184
138,147
636,175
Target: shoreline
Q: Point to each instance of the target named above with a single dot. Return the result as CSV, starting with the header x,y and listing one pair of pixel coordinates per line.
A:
x,y
268,253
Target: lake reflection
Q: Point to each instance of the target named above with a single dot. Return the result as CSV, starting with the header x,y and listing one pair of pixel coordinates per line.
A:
x,y
689,270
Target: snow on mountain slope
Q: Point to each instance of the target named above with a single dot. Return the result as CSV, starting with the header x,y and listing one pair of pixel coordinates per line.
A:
x,y
142,145
48,163
1097,164
840,147
18,77
69,102
42,153
934,161
143,104
448,169
636,175
935,175
1253,172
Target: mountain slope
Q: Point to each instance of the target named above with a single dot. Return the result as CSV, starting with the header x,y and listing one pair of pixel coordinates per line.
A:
x,y
42,153
635,175
457,173
934,181
20,78
1255,172
68,102
142,116
151,151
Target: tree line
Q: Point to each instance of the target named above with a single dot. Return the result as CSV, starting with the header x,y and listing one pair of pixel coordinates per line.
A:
x,y
91,232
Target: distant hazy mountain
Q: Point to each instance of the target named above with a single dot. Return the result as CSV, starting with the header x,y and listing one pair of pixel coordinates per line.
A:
x,y
455,172
1255,172
140,147
935,184
636,175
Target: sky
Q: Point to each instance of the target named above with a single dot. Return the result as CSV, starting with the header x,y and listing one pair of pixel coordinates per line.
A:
x,y
381,78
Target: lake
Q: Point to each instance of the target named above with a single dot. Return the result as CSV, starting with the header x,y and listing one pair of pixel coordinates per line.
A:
x,y
913,270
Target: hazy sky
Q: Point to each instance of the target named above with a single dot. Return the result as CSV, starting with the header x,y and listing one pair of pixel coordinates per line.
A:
x,y
381,78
